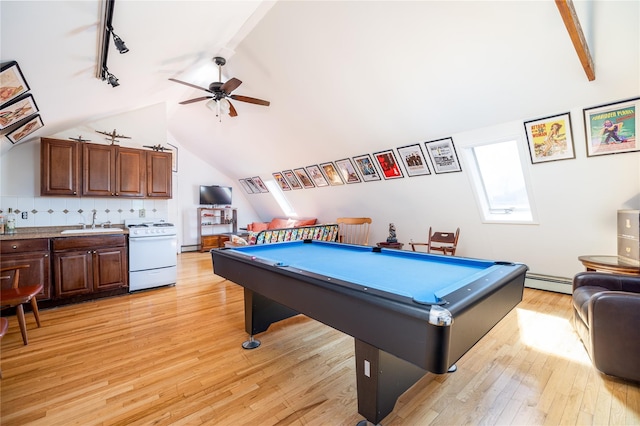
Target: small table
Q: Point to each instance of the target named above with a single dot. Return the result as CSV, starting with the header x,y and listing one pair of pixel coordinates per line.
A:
x,y
385,244
611,264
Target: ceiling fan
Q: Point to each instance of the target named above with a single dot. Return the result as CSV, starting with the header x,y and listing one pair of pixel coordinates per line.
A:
x,y
220,92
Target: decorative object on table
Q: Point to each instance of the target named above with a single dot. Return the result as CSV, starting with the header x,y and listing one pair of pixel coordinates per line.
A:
x,y
414,161
26,129
392,234
80,139
219,93
443,155
331,173
260,184
612,128
388,164
12,82
317,176
174,157
18,110
248,186
304,178
112,136
348,172
550,138
291,179
284,185
367,168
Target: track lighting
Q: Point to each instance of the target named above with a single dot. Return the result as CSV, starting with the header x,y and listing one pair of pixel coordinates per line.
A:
x,y
122,48
111,79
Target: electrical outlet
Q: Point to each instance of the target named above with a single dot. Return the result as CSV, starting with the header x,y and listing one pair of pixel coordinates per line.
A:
x,y
25,215
141,213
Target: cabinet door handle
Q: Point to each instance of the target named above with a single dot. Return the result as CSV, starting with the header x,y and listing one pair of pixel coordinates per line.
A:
x,y
46,255
14,247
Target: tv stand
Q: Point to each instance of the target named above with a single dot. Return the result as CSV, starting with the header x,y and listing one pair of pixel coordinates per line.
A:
x,y
214,226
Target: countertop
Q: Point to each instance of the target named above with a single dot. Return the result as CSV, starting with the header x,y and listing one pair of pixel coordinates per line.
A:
x,y
56,232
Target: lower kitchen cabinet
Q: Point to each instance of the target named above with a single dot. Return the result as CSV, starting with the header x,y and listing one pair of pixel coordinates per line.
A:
x,y
86,265
32,252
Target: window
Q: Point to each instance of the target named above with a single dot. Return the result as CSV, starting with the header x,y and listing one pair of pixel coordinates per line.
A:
x,y
500,183
277,193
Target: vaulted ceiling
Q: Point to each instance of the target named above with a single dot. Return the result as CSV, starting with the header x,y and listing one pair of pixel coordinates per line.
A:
x,y
343,77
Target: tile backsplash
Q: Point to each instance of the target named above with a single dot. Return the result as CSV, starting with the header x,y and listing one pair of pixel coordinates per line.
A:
x,y
67,211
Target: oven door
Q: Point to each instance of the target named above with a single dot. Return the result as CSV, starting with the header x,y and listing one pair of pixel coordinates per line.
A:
x,y
153,252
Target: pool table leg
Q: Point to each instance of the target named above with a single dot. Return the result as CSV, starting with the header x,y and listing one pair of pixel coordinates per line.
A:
x,y
381,378
259,313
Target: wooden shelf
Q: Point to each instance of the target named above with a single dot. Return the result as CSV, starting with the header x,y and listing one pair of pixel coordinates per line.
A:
x,y
215,225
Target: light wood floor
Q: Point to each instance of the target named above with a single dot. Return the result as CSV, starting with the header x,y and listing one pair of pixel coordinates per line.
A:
x,y
172,356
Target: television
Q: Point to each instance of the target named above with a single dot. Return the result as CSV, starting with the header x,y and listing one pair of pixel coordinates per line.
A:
x,y
215,195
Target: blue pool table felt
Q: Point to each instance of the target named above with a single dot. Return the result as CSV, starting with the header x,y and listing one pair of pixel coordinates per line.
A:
x,y
425,278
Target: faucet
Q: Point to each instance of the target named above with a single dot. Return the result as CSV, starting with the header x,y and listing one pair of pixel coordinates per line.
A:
x,y
93,220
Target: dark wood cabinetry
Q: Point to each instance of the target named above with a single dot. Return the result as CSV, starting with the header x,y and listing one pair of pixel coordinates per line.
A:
x,y
85,265
92,170
32,252
59,167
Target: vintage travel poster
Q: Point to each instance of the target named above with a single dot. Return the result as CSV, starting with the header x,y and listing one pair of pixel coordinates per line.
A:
x,y
612,128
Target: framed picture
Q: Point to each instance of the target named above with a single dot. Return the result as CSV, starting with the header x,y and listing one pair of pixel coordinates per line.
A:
x,y
550,138
413,159
26,129
12,82
17,110
281,181
248,186
331,173
612,128
348,172
364,163
259,184
317,176
443,156
174,157
304,178
291,179
388,164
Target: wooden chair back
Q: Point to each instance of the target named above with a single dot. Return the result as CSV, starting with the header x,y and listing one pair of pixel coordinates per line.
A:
x,y
354,230
444,242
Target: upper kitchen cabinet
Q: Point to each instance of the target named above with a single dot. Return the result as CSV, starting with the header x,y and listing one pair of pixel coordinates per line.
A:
x,y
113,171
59,167
71,168
158,174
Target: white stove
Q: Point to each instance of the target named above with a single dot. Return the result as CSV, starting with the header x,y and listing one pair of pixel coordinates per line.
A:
x,y
153,254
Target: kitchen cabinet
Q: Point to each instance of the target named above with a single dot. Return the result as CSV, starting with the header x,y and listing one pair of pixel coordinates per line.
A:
x,y
89,264
59,167
110,170
159,174
32,252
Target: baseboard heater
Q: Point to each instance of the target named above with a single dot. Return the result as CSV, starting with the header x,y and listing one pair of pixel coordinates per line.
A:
x,y
548,282
187,248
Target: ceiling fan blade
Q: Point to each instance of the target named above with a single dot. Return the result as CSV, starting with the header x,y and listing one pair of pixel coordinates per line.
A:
x,y
190,101
231,85
249,100
189,84
232,110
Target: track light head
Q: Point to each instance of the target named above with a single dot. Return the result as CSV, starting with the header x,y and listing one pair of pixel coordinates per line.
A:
x,y
122,48
111,79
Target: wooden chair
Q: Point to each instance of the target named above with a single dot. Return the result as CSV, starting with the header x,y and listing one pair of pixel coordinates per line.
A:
x,y
17,295
445,242
354,230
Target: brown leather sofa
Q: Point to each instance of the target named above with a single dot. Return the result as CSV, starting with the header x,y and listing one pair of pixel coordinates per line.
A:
x,y
606,316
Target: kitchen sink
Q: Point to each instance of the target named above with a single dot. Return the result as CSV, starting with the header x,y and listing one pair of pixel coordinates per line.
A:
x,y
93,231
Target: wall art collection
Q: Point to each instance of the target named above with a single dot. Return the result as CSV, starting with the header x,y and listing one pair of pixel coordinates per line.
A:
x,y
18,109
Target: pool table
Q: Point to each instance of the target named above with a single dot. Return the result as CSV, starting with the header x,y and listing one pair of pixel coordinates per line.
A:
x,y
409,312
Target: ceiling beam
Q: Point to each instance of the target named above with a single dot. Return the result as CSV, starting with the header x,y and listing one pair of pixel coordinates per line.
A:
x,y
570,18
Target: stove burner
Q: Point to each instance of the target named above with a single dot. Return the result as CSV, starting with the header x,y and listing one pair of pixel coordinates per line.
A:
x,y
163,224
141,225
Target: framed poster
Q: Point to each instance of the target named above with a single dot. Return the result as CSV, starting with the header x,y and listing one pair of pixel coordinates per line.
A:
x,y
248,186
291,179
414,161
612,128
348,172
364,163
284,185
388,164
259,184
174,157
12,82
26,129
550,138
317,176
443,156
304,178
331,173
17,110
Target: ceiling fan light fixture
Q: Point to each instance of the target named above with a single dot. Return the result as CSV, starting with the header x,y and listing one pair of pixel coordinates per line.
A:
x,y
212,105
225,106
